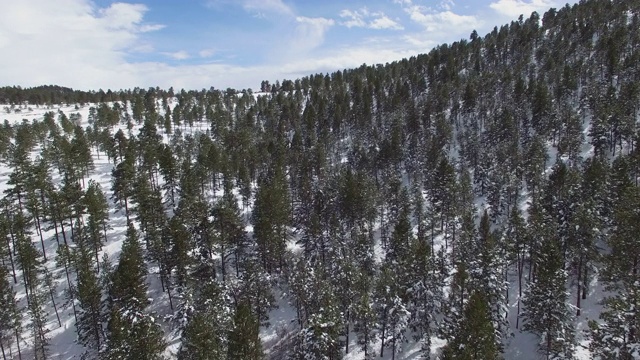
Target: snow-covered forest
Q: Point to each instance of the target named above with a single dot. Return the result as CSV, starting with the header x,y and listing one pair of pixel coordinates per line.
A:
x,y
480,201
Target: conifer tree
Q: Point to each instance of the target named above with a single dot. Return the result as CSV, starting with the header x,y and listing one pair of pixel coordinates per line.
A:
x,y
10,319
130,329
475,338
205,335
546,312
89,323
123,176
424,293
487,274
81,151
320,336
97,222
364,319
618,336
228,230
271,215
393,317
244,339
33,275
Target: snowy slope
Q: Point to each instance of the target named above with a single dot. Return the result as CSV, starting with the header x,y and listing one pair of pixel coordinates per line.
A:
x,y
63,336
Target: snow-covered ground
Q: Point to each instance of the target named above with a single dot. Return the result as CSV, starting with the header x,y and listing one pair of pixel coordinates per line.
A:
x,y
63,336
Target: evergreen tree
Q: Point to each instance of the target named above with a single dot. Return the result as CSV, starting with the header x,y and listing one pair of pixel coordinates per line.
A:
x,y
228,230
130,329
244,339
205,335
488,274
270,218
546,312
319,338
364,321
89,320
10,324
475,338
33,275
98,219
618,334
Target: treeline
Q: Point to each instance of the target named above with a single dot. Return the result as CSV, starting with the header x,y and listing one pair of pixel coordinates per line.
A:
x,y
59,95
393,204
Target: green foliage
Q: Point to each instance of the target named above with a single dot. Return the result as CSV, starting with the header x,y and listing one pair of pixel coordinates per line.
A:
x,y
474,339
244,340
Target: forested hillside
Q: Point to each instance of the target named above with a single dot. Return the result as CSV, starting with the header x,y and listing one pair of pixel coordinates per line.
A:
x,y
480,201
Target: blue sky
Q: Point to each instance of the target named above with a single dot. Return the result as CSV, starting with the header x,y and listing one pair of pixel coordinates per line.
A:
x,y
196,44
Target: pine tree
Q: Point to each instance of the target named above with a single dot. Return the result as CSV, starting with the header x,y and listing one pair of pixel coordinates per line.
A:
x,y
33,275
364,321
424,293
319,339
10,324
618,335
271,215
475,338
546,312
244,339
130,329
89,323
256,289
393,317
487,273
205,335
123,176
81,151
228,230
97,222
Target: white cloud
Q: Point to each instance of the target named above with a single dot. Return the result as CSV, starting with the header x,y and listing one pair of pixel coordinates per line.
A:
x,y
384,22
178,55
446,5
261,6
441,21
69,42
143,48
354,18
309,33
365,19
123,16
514,8
75,43
151,27
205,53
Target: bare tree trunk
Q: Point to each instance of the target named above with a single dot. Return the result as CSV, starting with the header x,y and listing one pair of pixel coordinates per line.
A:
x,y
13,267
44,253
578,310
585,282
384,328
55,308
18,344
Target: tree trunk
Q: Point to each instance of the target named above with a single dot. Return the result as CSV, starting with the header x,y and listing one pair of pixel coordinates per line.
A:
x,y
578,310
346,346
18,344
520,271
55,308
64,233
44,253
384,327
222,255
585,282
13,267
